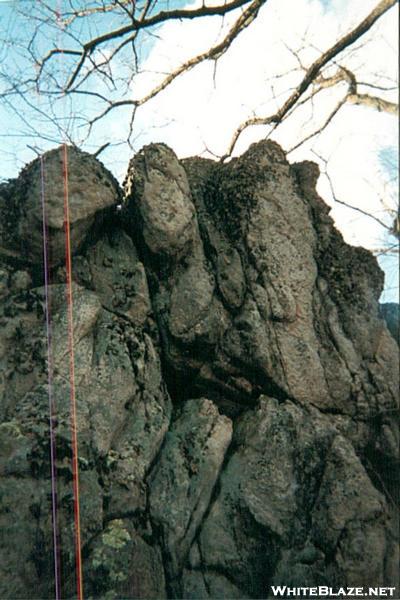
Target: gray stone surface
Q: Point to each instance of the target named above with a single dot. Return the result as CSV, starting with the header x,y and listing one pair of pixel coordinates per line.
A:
x,y
236,385
91,190
185,476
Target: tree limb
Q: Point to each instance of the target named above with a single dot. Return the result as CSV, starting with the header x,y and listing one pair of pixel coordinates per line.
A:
x,y
212,53
312,73
136,25
374,102
346,204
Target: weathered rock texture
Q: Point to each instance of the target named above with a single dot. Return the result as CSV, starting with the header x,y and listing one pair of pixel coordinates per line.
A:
x,y
236,386
91,190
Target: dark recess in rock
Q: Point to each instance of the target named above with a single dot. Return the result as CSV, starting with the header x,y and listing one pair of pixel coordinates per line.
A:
x,y
390,311
237,384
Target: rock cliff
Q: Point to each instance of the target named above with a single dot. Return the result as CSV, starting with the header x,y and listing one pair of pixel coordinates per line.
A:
x,y
236,386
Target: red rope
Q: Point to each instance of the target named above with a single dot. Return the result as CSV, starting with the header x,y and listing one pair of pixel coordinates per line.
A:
x,y
74,438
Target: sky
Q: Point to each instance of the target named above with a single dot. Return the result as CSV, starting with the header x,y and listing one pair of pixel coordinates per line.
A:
x,y
199,111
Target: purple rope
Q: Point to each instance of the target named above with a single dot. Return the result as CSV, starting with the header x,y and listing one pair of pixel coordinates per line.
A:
x,y
52,411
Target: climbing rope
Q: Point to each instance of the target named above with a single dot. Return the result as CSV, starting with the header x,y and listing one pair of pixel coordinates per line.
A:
x,y
74,436
72,388
52,408
52,404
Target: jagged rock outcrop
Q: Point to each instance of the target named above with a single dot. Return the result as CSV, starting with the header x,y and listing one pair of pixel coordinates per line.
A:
x,y
236,386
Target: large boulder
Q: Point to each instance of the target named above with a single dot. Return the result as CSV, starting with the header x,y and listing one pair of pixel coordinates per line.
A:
x,y
40,191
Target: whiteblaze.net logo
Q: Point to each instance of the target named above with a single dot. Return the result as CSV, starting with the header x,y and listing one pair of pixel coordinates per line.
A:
x,y
324,591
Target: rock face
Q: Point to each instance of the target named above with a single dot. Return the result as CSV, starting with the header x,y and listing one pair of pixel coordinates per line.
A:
x,y
236,386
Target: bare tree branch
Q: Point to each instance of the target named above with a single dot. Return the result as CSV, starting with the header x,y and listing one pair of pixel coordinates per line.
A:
x,y
374,102
312,72
346,204
137,25
324,125
213,53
